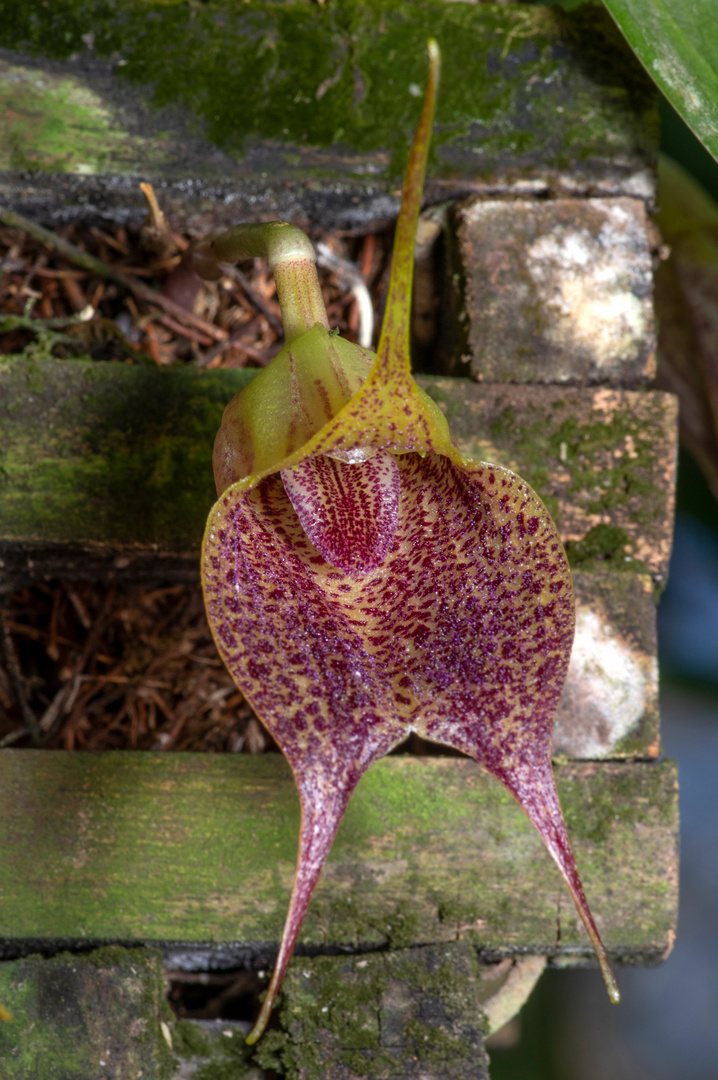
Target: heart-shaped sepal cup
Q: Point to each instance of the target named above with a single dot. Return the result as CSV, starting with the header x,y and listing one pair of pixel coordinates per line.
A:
x,y
364,579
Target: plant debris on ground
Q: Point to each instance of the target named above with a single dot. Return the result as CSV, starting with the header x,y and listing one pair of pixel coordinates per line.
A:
x,y
83,667
125,668
46,299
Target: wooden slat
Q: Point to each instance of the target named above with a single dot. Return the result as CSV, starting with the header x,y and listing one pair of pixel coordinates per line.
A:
x,y
118,455
90,1016
85,1017
609,705
413,1014
603,461
200,850
307,110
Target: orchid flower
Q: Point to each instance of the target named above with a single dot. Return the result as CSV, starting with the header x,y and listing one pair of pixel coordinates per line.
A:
x,y
364,580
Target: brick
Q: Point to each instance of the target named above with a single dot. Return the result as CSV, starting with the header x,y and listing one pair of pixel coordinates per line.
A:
x,y
556,291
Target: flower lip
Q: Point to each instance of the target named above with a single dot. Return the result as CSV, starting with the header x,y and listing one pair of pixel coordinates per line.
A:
x,y
348,510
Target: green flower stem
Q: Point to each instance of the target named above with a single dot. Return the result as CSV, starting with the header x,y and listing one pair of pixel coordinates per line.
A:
x,y
395,332
292,260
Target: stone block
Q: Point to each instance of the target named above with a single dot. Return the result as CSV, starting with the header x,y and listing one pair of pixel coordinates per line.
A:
x,y
555,291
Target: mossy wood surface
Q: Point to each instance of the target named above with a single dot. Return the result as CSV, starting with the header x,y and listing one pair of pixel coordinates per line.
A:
x,y
291,108
200,849
102,1015
609,704
120,455
93,1017
409,1014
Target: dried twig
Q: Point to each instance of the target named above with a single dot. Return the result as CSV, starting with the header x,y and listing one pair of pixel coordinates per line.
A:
x,y
50,717
256,299
157,218
28,716
102,269
8,323
234,341
188,332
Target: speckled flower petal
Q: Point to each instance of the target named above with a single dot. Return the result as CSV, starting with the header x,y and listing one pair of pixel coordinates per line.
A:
x,y
462,634
349,620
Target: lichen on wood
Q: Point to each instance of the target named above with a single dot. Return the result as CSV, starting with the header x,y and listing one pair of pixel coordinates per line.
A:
x,y
74,1017
410,1013
609,704
555,291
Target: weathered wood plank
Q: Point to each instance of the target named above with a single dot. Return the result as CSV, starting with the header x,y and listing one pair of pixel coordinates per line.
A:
x,y
306,111
410,1013
118,455
200,850
109,453
554,291
603,461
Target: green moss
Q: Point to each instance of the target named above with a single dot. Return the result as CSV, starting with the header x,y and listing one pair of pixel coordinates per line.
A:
x,y
167,871
610,461
273,1053
133,467
536,84
602,544
379,1065
230,1059
57,122
592,816
435,1045
71,1011
377,1013
190,1040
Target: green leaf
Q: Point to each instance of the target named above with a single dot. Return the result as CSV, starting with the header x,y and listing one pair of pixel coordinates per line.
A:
x,y
677,43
